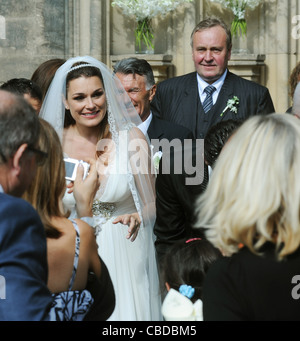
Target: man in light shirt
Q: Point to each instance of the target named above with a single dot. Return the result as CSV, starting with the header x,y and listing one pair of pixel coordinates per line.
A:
x,y
174,199
136,75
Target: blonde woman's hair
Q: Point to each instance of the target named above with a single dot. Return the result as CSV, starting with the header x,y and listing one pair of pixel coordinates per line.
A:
x,y
47,189
254,192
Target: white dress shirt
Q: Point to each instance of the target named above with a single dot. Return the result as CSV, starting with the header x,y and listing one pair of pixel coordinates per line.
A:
x,y
145,125
218,85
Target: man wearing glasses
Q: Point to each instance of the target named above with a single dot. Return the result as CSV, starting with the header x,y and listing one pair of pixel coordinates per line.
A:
x,y
23,261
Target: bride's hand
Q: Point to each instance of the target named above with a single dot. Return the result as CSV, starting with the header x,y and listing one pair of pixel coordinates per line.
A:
x,y
133,221
85,190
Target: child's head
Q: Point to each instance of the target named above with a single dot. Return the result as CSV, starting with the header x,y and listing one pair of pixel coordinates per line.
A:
x,y
187,262
216,138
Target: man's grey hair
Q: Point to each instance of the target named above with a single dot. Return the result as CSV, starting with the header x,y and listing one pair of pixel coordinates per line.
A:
x,y
136,66
19,124
213,22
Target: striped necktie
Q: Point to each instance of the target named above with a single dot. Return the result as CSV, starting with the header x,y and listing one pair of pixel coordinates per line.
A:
x,y
208,102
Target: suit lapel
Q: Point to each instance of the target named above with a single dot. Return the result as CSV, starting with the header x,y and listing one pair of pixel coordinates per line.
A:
x,y
214,115
206,120
154,131
189,104
225,94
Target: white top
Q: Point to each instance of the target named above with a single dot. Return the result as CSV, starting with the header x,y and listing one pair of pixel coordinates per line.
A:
x,y
177,307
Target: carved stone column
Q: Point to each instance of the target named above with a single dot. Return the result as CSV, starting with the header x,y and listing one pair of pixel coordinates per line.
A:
x,y
249,66
86,28
2,27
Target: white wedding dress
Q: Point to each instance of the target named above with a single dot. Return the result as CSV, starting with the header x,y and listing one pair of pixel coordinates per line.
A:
x,y
132,265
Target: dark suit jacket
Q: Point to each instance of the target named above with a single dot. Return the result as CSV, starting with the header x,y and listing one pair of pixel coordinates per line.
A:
x,y
175,204
174,199
23,262
162,129
177,100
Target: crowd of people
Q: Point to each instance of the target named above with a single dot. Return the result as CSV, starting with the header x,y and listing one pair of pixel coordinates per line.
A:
x,y
142,236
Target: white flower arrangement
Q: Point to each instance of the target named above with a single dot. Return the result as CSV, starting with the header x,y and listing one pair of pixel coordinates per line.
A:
x,y
232,105
238,7
143,11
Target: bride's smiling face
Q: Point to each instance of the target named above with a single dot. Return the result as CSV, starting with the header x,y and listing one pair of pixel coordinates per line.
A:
x,y
86,100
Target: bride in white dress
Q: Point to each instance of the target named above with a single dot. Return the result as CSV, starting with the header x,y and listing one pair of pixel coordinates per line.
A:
x,y
100,121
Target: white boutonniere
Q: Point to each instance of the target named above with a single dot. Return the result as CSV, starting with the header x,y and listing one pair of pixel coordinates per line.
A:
x,y
232,105
156,159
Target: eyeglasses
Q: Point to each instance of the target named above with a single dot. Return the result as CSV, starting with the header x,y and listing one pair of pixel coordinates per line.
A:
x,y
40,155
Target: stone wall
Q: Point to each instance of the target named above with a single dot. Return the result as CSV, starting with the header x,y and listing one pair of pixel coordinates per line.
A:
x,y
37,30
273,37
34,32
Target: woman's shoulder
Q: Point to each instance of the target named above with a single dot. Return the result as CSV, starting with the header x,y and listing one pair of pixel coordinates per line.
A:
x,y
68,229
136,132
64,226
84,228
137,138
86,232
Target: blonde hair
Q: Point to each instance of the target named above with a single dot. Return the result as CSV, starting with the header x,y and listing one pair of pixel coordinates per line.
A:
x,y
47,189
254,192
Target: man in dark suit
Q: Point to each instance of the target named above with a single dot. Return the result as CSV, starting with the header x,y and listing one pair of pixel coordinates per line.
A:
x,y
23,258
136,75
174,198
188,100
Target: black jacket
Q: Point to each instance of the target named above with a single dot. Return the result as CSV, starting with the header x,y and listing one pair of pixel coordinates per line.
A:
x,y
177,100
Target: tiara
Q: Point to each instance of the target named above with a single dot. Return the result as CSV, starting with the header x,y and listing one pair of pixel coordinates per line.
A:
x,y
82,65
